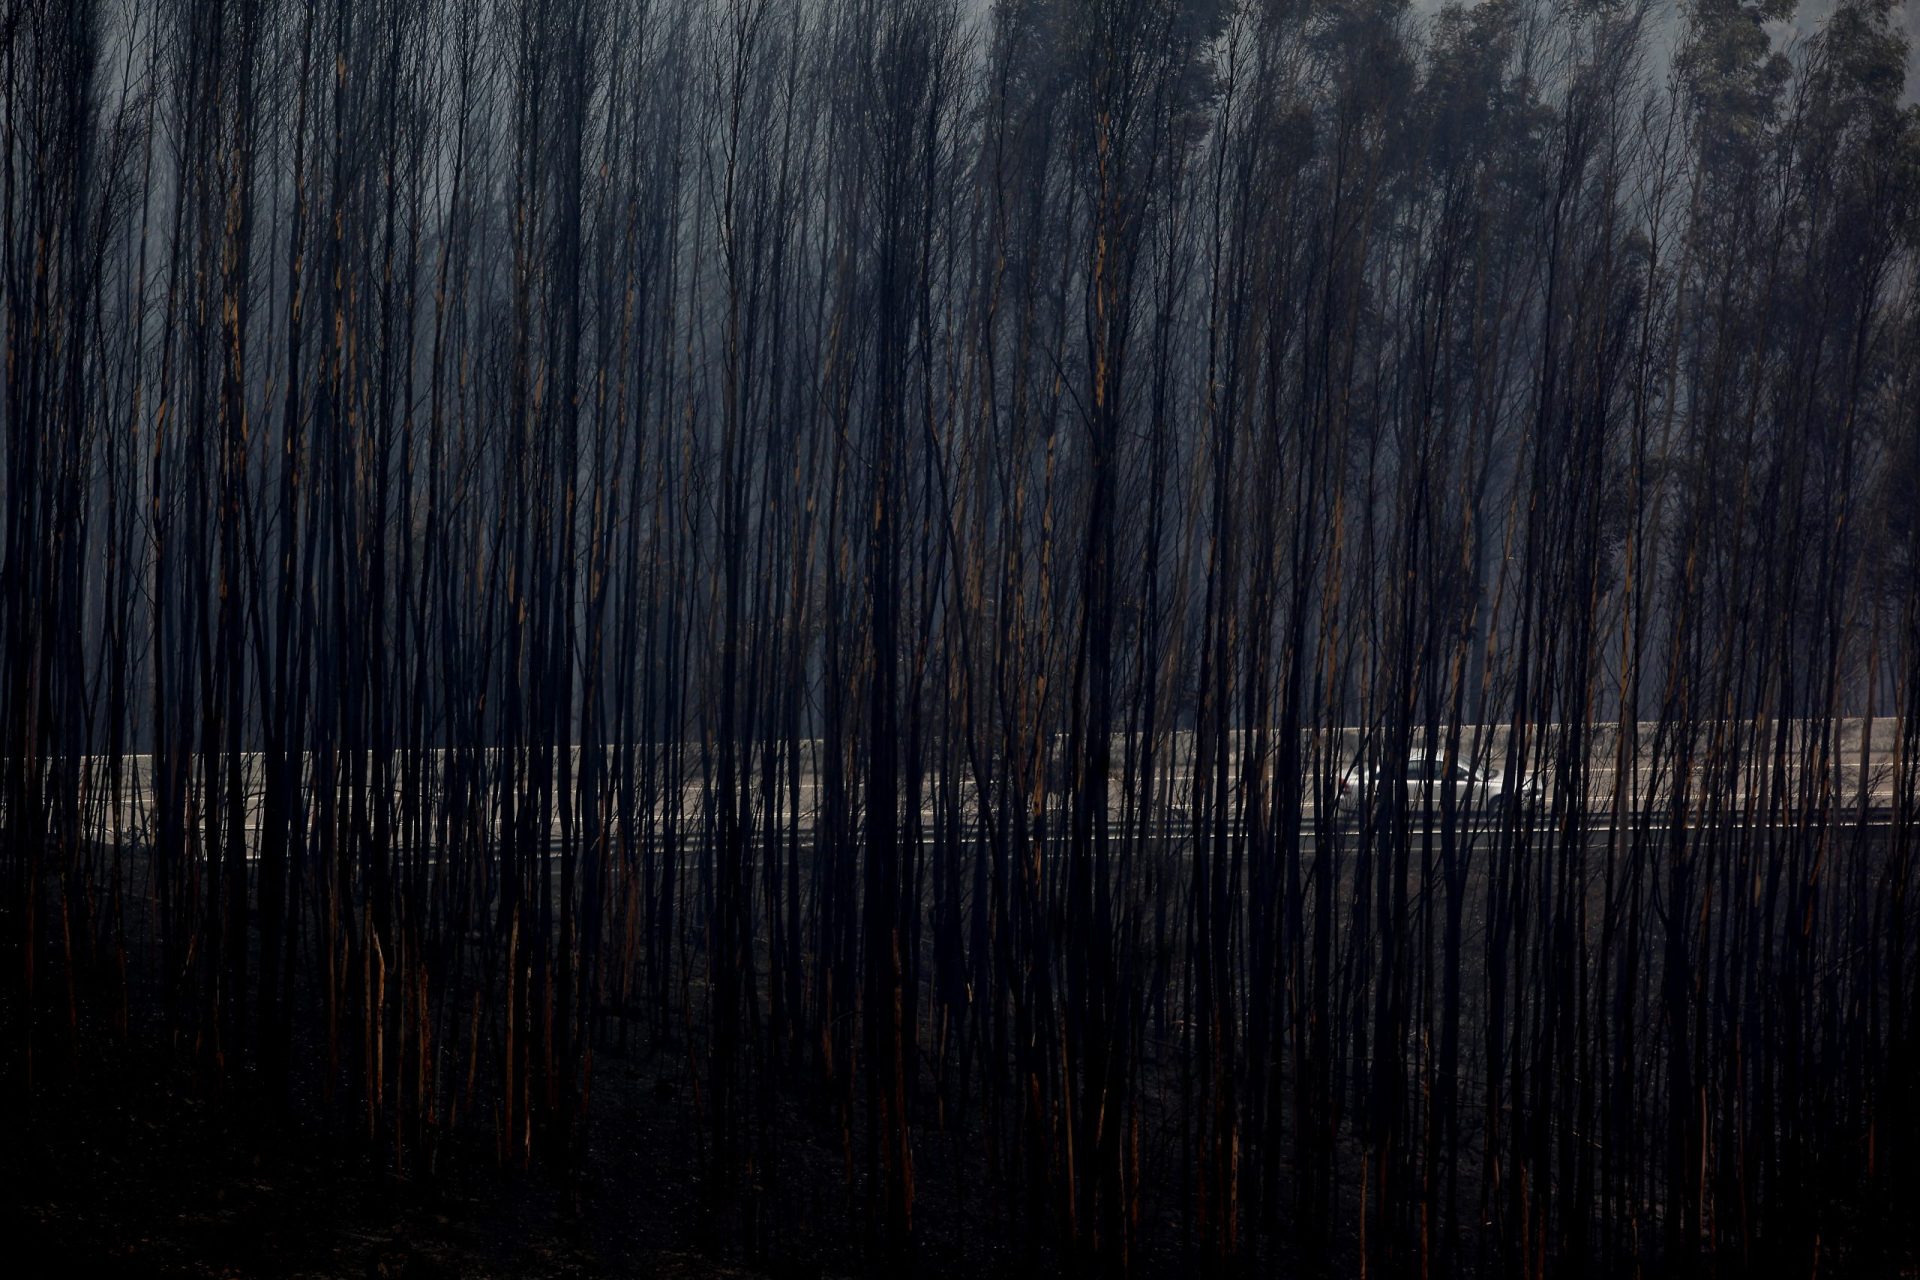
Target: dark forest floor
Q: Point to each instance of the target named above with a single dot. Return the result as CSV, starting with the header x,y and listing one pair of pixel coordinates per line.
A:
x,y
125,1161
124,1157
122,1166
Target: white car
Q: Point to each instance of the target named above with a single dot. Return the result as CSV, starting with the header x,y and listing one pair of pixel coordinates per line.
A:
x,y
1429,778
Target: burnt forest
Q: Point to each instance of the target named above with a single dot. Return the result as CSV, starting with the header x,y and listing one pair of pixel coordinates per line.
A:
x,y
821,638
